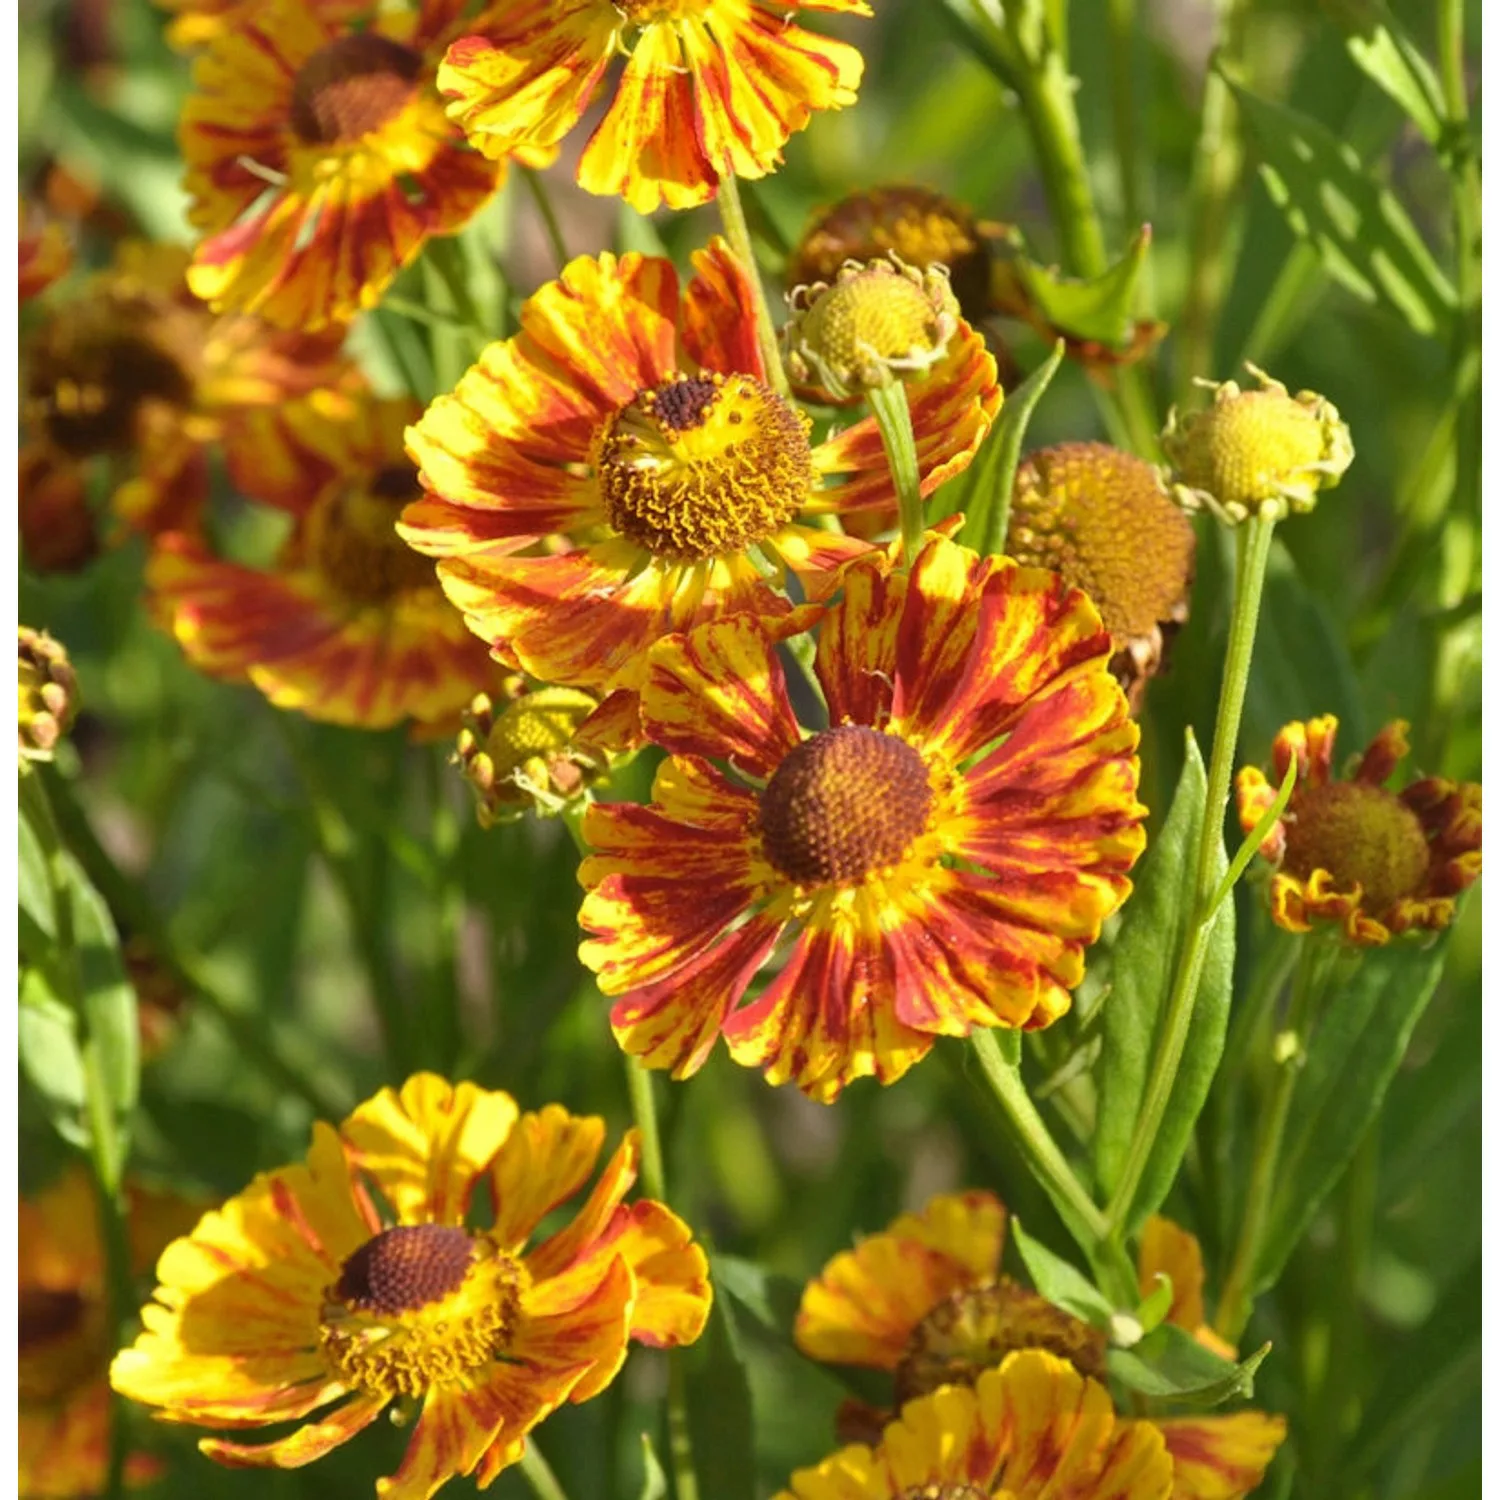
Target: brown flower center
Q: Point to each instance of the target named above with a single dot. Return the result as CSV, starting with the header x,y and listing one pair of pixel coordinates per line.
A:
x,y
703,465
845,803
973,1329
354,544
46,1315
351,87
1358,832
88,389
405,1268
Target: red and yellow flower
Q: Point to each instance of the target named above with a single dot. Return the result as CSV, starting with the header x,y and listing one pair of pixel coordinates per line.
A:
x,y
1353,852
319,158
911,876
348,625
710,87
354,1278
64,1420
137,368
1031,1429
620,469
45,251
924,1299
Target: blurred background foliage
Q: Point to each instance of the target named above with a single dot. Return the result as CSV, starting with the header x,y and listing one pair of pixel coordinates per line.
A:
x,y
312,880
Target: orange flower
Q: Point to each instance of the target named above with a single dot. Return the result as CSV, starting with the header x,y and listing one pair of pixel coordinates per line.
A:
x,y
64,1420
710,87
319,157
919,885
355,1278
628,428
46,252
348,625
136,367
925,1300
1353,852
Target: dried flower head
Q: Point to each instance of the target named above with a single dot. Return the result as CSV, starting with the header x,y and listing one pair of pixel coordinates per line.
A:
x,y
1258,452
876,323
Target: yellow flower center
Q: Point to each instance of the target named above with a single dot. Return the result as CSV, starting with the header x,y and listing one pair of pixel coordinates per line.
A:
x,y
844,804
704,465
643,12
1358,832
973,1329
351,87
942,1492
88,387
354,544
420,1305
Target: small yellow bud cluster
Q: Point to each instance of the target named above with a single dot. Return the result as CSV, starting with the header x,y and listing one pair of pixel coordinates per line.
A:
x,y
1258,452
874,324
47,694
525,754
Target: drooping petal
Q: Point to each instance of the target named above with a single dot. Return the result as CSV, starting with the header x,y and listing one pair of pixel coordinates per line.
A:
x,y
303,1446
546,1158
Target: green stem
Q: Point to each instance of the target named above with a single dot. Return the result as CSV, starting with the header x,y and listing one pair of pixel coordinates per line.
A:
x,y
120,1289
893,417
732,212
654,1179
1050,1167
539,196
539,1475
1124,28
1291,1052
441,1012
1217,162
1254,547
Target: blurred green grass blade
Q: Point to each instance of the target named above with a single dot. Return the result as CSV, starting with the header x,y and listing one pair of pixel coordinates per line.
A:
x,y
1384,51
654,1479
1356,1047
720,1411
1142,964
1329,198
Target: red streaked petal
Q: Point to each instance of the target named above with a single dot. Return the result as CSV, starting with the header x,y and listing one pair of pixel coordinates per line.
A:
x,y
302,1446
718,313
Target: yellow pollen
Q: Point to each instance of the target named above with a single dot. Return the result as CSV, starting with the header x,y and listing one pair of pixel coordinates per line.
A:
x,y
845,804
1358,832
704,465
353,542
973,1329
420,1305
351,87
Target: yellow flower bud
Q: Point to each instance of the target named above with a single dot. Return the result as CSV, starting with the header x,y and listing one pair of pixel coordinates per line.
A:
x,y
873,325
527,754
47,694
1257,452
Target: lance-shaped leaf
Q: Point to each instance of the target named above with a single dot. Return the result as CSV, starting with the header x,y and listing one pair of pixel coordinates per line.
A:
x,y
1384,51
1169,1364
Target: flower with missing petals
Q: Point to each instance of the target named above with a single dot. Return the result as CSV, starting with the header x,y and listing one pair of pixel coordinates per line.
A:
x,y
1353,852
1259,452
1101,518
319,157
364,1277
934,860
924,1300
347,624
710,87
621,469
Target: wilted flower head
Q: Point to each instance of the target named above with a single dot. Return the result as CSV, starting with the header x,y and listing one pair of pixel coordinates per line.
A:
x,y
1353,852
47,693
874,324
1101,518
525,753
1258,452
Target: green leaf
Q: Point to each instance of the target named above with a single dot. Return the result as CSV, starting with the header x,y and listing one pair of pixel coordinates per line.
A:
x,y
720,1412
51,1057
1143,961
1060,1282
984,493
1099,311
1256,837
769,1297
1364,236
1169,1364
1355,1049
1383,50
653,1480
35,884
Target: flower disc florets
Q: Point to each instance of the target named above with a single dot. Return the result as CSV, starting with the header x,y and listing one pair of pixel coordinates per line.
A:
x,y
354,544
875,324
46,693
352,86
1100,517
702,465
525,753
1258,452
